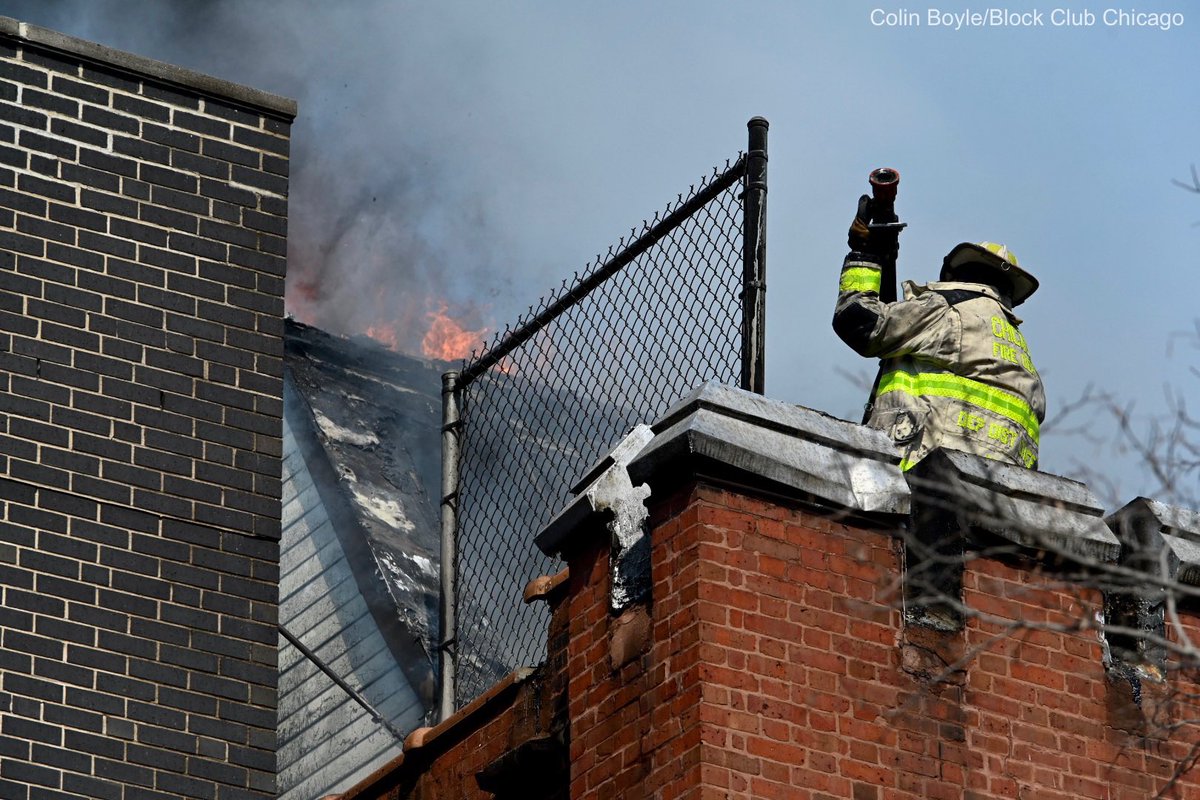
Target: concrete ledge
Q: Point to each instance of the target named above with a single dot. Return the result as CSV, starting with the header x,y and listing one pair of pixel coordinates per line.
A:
x,y
159,71
1035,510
1147,526
734,436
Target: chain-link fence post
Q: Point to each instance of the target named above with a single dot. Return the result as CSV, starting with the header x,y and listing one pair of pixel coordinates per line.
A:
x,y
754,260
448,602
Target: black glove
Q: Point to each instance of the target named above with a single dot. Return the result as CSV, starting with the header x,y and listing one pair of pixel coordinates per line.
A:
x,y
860,238
879,242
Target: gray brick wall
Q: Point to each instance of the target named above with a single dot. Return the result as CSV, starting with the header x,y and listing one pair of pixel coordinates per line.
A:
x,y
143,215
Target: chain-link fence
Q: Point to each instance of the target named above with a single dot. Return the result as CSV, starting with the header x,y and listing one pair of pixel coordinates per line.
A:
x,y
662,312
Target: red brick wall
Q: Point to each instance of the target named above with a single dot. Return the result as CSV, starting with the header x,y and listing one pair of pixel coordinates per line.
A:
x,y
1041,713
635,729
778,667
773,663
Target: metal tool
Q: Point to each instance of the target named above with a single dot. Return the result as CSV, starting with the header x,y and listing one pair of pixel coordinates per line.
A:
x,y
885,181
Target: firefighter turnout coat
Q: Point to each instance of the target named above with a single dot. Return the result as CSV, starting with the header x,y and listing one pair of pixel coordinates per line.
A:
x,y
955,370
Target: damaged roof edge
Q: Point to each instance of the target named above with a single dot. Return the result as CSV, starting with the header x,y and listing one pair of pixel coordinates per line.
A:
x,y
405,644
217,88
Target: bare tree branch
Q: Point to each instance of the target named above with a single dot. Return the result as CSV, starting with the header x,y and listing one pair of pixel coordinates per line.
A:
x,y
1194,186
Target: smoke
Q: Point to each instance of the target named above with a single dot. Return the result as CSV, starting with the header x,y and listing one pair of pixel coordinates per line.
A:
x,y
392,203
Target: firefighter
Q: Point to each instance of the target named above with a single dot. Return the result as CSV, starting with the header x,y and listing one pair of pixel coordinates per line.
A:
x,y
955,370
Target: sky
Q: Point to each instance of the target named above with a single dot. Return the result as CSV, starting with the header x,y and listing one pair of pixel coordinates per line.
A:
x,y
475,153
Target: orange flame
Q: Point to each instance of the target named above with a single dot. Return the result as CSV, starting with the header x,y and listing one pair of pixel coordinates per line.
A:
x,y
386,334
506,366
446,339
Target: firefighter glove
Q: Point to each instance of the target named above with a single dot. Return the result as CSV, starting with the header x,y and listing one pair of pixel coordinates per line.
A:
x,y
860,238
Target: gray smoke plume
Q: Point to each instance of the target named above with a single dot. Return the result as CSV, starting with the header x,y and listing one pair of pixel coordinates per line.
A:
x,y
386,218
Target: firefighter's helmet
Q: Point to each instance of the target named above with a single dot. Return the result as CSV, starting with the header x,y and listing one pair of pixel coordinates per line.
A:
x,y
995,256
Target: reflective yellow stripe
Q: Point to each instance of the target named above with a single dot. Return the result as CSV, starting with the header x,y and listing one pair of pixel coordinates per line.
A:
x,y
943,384
860,279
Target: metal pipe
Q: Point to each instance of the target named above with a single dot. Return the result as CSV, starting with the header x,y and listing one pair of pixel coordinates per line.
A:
x,y
634,249
754,260
448,602
355,695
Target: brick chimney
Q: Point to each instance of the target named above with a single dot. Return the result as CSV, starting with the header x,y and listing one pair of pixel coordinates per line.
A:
x,y
785,648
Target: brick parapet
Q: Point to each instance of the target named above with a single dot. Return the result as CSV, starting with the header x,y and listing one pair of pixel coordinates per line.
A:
x,y
773,660
809,685
143,228
774,657
159,72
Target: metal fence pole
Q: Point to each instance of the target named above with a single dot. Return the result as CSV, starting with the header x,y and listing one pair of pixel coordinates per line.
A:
x,y
448,604
754,260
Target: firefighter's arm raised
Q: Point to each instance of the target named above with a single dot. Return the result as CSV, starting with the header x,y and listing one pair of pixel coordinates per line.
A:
x,y
923,325
919,325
